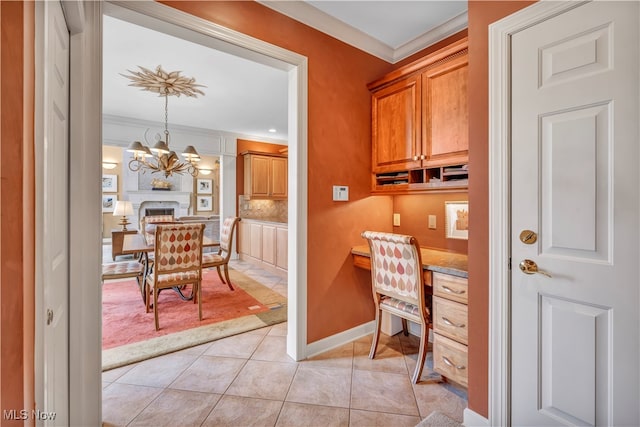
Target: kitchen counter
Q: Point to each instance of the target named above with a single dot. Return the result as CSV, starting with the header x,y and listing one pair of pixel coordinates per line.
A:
x,y
276,221
432,260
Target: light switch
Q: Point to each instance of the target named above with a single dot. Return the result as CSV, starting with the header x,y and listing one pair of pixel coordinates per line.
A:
x,y
396,220
340,193
432,222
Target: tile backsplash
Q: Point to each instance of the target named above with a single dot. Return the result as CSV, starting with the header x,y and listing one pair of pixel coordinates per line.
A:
x,y
266,210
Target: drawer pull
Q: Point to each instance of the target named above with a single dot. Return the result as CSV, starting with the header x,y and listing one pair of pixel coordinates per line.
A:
x,y
452,291
450,363
450,323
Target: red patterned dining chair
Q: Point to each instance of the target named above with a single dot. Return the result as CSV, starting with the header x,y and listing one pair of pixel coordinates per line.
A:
x,y
178,262
221,259
149,223
123,270
398,287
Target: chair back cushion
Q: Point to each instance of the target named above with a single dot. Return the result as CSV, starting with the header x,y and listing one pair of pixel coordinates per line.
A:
x,y
226,235
396,266
178,247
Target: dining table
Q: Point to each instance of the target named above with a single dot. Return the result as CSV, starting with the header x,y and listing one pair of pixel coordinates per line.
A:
x,y
136,244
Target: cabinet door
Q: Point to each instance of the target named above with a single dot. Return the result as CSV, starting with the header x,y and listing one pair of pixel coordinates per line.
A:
x,y
244,238
255,231
256,179
282,243
396,126
445,121
269,244
279,177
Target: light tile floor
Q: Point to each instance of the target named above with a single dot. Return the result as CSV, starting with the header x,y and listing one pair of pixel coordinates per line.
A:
x,y
248,380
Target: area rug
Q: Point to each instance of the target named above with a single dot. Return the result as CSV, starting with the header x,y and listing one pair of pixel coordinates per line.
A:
x,y
129,333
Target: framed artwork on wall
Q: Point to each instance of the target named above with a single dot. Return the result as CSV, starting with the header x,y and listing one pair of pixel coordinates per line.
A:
x,y
109,183
108,202
205,186
205,203
457,220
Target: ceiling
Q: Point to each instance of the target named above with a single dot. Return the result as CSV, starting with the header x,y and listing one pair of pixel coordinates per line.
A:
x,y
246,97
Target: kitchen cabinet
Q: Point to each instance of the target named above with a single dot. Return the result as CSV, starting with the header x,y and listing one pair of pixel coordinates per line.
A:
x,y
420,124
264,243
265,175
450,327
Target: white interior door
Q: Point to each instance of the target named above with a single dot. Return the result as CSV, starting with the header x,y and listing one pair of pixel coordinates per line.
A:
x,y
575,334
53,234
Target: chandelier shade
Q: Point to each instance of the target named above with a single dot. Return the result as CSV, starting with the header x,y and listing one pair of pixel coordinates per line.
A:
x,y
160,158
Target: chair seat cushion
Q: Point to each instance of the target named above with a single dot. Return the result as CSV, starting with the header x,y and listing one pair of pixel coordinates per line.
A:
x,y
211,258
121,269
170,278
400,305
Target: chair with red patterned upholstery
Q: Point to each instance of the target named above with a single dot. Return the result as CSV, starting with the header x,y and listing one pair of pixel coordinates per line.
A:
x,y
221,259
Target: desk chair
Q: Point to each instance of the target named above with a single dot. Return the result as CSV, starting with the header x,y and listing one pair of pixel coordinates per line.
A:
x,y
397,285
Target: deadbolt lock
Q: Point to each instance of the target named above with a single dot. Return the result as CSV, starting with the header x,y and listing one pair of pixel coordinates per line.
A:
x,y
528,237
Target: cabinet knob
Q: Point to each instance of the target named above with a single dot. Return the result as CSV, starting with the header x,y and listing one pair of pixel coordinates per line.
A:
x,y
422,157
415,157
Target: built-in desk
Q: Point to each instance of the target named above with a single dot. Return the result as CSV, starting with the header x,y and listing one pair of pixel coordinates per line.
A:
x,y
432,260
446,273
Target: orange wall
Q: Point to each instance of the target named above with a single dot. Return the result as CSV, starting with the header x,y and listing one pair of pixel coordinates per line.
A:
x,y
414,211
481,14
17,207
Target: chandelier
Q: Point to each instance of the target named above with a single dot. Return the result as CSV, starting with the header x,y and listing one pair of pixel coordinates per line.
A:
x,y
160,158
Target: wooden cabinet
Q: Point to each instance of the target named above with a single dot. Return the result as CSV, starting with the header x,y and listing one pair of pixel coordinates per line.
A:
x,y
264,243
420,123
265,175
450,327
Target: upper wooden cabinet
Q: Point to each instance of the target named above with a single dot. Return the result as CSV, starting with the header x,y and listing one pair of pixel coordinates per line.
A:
x,y
420,122
265,175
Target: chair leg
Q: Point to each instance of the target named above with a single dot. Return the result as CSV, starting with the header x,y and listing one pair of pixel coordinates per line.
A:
x,y
376,335
155,308
220,274
422,354
147,295
405,329
226,274
198,284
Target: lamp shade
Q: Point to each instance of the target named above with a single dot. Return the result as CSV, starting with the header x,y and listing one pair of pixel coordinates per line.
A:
x,y
123,208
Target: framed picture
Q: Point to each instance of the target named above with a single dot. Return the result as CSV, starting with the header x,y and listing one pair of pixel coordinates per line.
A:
x,y
108,202
109,183
204,186
457,220
205,203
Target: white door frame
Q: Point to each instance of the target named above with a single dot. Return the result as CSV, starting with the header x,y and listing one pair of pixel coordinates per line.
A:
x,y
500,34
85,22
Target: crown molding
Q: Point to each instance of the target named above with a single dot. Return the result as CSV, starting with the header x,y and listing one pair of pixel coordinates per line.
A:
x,y
321,21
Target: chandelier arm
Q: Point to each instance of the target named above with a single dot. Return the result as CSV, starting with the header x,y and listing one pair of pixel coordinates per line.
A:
x,y
135,165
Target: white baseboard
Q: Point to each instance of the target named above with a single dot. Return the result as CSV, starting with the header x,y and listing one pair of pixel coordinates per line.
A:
x,y
473,419
339,339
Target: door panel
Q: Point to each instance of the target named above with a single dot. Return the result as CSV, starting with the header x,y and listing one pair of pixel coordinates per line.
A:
x,y
575,334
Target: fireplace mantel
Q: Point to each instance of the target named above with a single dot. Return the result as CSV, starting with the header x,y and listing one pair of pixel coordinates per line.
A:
x,y
157,199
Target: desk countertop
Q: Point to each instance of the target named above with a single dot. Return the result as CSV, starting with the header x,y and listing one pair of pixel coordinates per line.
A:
x,y
432,259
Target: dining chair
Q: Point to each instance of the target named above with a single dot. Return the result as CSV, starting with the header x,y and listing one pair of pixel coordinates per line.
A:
x,y
221,259
149,223
123,270
398,287
178,262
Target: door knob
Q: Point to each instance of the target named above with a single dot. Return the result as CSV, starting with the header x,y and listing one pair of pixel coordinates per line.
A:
x,y
530,267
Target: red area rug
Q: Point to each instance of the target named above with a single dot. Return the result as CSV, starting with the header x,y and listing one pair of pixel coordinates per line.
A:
x,y
124,320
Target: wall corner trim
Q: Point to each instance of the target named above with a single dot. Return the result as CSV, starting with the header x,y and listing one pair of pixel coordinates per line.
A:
x,y
341,338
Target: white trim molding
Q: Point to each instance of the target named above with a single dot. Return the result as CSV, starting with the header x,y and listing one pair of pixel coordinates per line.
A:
x,y
345,337
473,419
500,34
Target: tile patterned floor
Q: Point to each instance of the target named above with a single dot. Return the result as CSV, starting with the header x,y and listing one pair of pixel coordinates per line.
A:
x,y
248,380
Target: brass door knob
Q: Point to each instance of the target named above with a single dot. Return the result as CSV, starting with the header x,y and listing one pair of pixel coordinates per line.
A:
x,y
530,267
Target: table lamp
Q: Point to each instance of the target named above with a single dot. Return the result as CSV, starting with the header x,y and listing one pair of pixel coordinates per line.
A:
x,y
123,208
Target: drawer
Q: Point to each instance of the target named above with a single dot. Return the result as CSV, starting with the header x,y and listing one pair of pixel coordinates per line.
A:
x,y
450,359
450,319
451,287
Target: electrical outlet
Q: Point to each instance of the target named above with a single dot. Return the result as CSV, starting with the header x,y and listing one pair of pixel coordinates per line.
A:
x,y
396,220
432,222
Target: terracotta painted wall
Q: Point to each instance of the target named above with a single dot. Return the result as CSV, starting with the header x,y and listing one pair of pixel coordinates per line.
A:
x,y
414,211
481,15
17,207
